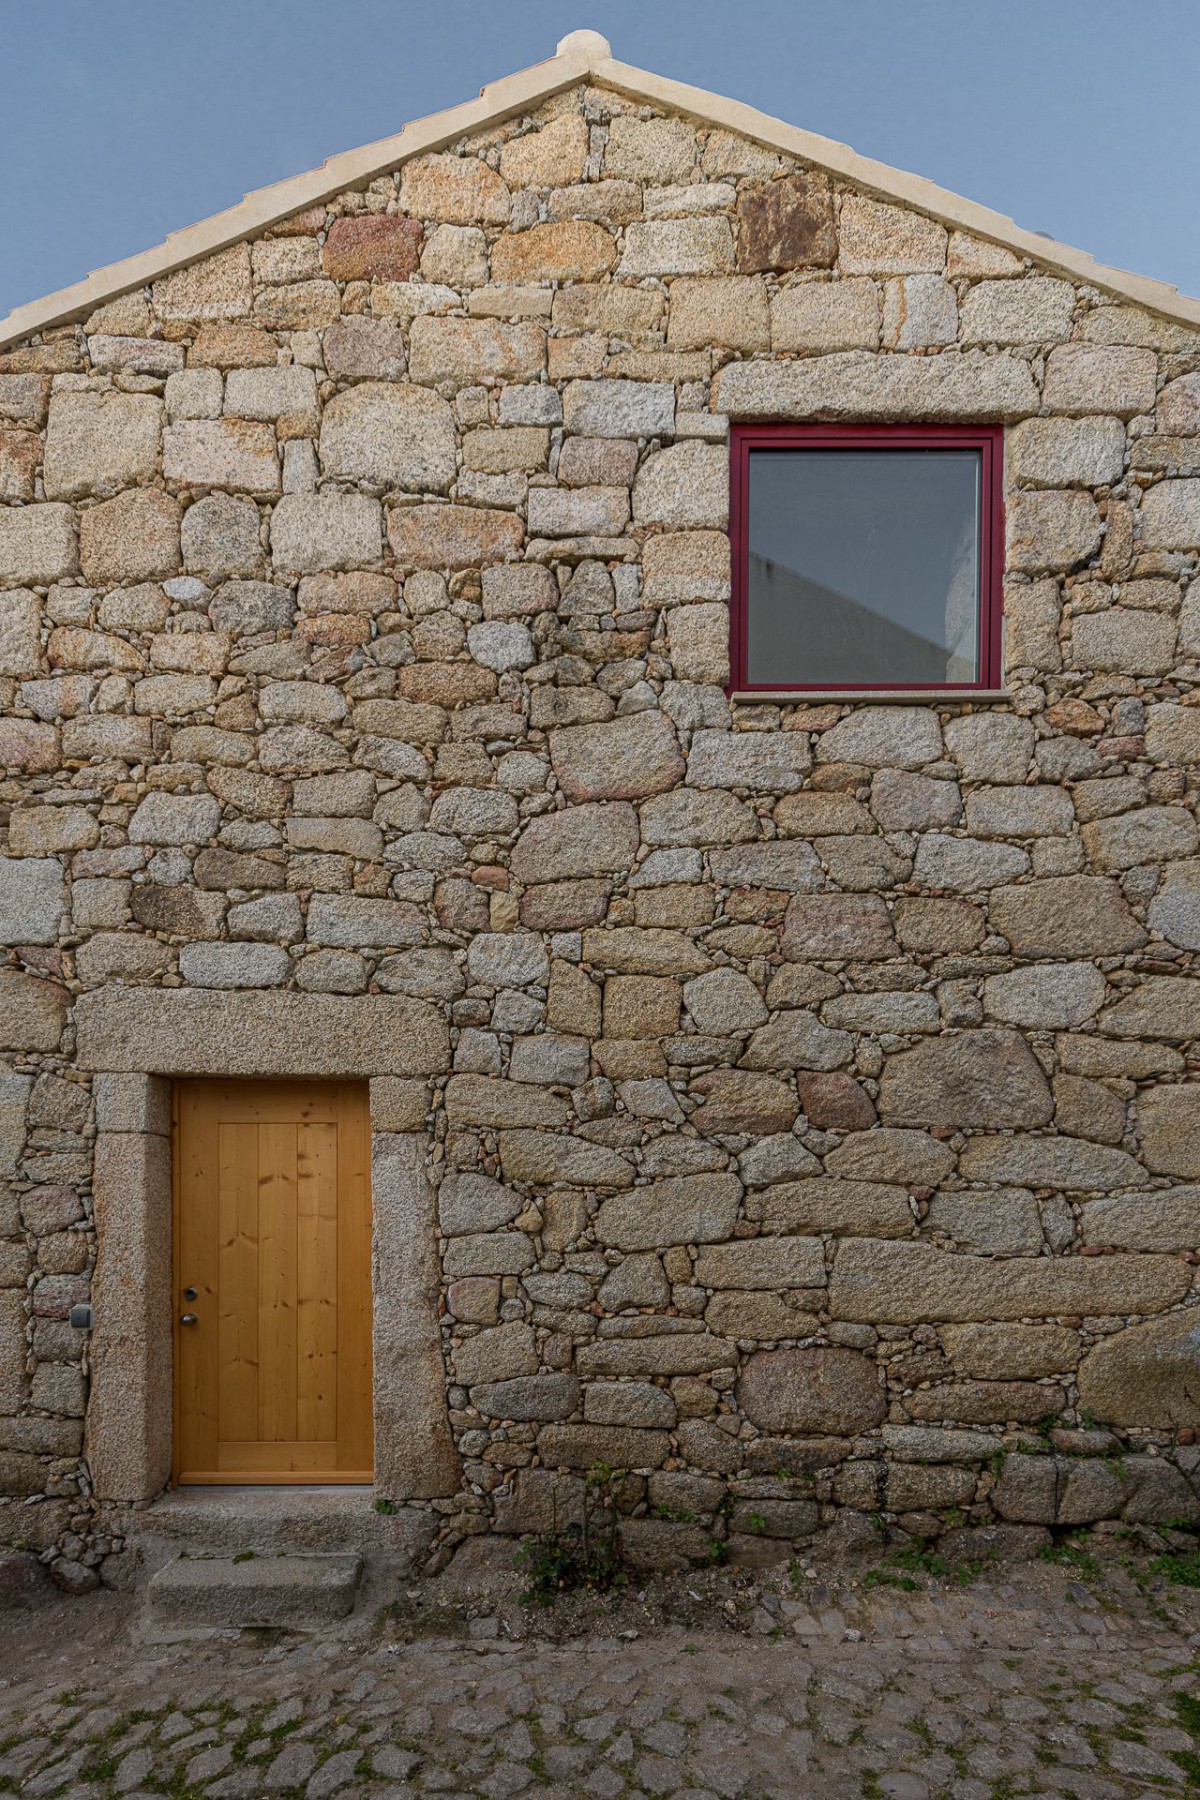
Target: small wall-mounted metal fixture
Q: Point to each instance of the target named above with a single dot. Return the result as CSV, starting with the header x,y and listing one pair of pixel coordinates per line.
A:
x,y
188,1319
190,1293
82,1317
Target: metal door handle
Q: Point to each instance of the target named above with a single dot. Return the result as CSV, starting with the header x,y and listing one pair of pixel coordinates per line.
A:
x,y
188,1319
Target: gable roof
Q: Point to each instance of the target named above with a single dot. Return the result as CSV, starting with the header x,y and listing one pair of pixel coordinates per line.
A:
x,y
582,55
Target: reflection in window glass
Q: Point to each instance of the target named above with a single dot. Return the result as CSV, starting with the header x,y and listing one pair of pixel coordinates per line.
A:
x,y
864,567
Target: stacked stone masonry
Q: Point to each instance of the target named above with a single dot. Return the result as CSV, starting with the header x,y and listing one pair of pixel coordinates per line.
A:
x,y
816,1123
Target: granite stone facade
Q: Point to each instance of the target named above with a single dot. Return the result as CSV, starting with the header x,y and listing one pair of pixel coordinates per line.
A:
x,y
808,1088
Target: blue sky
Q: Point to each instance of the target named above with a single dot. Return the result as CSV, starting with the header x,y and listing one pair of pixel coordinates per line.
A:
x,y
126,119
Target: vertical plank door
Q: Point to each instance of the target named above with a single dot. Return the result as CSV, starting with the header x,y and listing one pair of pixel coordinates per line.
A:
x,y
273,1234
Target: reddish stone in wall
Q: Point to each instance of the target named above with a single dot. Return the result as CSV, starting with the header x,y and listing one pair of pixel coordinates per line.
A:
x,y
28,746
376,246
461,906
786,224
300,224
835,1102
452,537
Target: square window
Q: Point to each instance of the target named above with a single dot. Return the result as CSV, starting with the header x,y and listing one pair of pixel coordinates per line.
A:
x,y
866,557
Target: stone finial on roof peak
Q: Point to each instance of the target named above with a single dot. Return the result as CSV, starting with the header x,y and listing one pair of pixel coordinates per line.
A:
x,y
584,43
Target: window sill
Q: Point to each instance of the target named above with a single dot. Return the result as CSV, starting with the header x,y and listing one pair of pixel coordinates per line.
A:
x,y
867,696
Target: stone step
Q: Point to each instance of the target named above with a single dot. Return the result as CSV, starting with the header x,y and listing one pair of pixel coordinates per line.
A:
x,y
303,1591
297,1520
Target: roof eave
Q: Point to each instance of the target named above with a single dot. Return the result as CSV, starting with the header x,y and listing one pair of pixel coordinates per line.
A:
x,y
268,206
582,56
895,185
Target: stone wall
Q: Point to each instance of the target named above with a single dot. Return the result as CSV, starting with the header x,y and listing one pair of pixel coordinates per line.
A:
x,y
815,1125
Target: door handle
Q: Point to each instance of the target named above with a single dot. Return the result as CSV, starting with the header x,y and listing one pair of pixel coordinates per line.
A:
x,y
188,1319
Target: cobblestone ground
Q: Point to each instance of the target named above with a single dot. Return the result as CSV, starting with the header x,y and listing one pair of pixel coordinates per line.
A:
x,y
1031,1682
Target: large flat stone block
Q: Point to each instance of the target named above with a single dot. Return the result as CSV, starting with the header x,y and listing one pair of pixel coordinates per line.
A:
x,y
128,1429
415,1458
275,1590
854,384
253,1033
905,1284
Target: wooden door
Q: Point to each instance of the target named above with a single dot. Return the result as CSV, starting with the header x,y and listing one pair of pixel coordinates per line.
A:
x,y
273,1234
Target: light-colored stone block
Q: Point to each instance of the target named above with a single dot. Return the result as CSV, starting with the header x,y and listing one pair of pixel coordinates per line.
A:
x,y
221,538
567,250
564,512
1170,516
920,312
459,351
32,900
1057,453
549,157
208,965
621,759
14,1097
699,642
1054,530
1084,378
194,394
218,288
684,486
878,239
458,190
132,537
175,819
1123,641
655,150
826,316
774,764
398,1105
270,393
37,830
315,532
32,1012
223,453
619,408
20,632
1033,310
13,1350
37,544
677,247
732,310
99,443
1044,998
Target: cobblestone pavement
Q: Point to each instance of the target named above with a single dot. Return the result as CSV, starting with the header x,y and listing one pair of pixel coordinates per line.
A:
x,y
1032,1682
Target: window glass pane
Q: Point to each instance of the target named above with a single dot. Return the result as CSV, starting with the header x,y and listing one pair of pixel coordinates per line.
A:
x,y
864,567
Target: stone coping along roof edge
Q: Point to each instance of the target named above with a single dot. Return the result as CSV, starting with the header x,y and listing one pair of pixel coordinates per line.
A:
x,y
582,55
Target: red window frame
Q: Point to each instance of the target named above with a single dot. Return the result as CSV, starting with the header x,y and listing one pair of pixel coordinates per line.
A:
x,y
987,439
